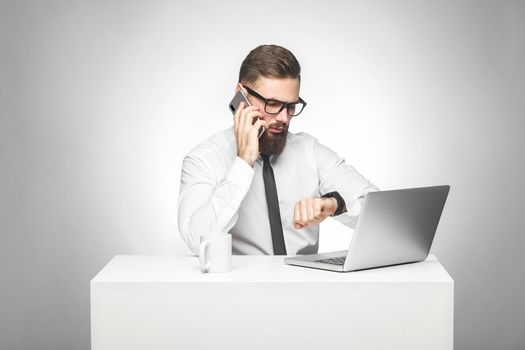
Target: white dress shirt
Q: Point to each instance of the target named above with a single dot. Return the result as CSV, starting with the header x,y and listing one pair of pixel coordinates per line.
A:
x,y
220,192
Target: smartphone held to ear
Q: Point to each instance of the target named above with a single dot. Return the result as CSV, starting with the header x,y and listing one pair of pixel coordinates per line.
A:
x,y
234,104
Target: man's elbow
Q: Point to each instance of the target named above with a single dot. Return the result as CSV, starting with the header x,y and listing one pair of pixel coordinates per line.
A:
x,y
190,237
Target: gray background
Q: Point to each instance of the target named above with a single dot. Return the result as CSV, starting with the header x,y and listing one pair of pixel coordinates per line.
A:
x,y
99,102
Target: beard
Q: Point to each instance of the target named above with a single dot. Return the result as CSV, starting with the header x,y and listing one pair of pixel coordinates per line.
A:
x,y
273,144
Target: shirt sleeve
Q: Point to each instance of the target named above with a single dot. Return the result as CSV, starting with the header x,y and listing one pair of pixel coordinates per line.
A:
x,y
336,175
207,205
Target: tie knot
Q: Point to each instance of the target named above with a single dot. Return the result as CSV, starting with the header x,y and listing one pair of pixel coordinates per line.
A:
x,y
265,157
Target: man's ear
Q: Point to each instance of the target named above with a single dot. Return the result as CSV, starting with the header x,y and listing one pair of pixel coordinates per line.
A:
x,y
237,87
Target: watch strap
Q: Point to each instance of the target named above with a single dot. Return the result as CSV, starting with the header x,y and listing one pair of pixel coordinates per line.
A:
x,y
341,205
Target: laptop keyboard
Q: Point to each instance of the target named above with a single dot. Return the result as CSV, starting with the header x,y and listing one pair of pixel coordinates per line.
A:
x,y
333,261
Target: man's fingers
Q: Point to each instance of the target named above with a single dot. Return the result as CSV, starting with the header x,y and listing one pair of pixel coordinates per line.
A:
x,y
310,209
246,132
297,216
256,127
250,117
246,118
241,118
318,208
304,212
236,117
244,114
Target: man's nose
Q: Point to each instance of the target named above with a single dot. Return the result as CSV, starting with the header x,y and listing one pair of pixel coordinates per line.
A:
x,y
282,116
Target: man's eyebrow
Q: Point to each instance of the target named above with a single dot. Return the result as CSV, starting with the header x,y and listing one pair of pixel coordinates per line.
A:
x,y
276,99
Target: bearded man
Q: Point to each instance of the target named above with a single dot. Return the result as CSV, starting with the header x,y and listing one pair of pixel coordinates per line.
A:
x,y
270,192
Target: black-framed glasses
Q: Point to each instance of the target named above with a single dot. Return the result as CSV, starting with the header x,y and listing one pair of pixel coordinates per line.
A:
x,y
275,106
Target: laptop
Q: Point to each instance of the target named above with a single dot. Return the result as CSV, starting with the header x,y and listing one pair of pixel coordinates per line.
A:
x,y
394,227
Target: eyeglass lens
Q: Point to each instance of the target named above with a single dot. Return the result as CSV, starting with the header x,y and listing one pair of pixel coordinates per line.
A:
x,y
274,107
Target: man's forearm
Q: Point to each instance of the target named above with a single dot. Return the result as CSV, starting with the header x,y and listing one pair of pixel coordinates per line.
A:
x,y
205,207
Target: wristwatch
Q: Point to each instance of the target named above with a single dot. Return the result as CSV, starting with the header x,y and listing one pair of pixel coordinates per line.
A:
x,y
341,205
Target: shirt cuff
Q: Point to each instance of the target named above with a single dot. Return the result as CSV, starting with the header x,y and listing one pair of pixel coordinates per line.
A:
x,y
240,173
240,176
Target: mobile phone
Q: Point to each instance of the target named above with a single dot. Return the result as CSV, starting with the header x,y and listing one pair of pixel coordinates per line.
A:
x,y
236,101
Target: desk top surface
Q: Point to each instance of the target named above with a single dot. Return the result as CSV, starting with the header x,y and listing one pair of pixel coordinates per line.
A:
x,y
259,269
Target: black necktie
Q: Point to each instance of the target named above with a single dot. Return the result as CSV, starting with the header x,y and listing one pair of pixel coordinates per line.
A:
x,y
273,207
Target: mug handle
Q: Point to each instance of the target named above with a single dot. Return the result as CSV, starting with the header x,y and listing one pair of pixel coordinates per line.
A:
x,y
205,265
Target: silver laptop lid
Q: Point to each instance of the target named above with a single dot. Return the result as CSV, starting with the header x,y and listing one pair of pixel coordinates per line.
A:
x,y
396,227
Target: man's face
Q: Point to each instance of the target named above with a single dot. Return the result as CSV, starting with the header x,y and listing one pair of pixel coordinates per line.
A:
x,y
273,140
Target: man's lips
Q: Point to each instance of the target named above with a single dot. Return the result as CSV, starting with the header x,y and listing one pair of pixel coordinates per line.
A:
x,y
276,129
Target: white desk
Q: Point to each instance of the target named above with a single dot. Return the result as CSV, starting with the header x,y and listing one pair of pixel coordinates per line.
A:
x,y
165,302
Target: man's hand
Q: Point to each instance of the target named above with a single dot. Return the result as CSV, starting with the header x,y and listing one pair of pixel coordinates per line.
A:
x,y
246,133
311,211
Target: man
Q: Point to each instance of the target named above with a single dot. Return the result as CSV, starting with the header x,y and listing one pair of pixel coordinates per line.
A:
x,y
272,192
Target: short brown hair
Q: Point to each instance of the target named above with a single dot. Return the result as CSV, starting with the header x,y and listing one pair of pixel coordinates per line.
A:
x,y
269,61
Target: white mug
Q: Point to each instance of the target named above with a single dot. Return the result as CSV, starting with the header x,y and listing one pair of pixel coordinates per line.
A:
x,y
215,252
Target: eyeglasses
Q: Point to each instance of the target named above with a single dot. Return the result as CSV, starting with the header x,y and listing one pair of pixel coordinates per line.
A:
x,y
275,106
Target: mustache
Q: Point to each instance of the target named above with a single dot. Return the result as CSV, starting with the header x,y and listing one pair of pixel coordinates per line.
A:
x,y
279,125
